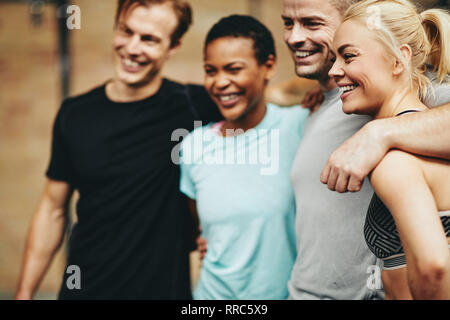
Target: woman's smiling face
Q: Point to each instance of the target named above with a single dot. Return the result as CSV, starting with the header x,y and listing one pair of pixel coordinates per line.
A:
x,y
363,69
234,78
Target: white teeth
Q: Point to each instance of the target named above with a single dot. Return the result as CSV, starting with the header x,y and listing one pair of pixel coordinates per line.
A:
x,y
347,88
228,97
303,54
130,63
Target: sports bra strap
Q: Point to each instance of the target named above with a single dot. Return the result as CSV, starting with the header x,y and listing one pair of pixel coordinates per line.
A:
x,y
406,111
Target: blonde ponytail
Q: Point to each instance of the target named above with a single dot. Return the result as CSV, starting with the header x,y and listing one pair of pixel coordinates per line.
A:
x,y
437,27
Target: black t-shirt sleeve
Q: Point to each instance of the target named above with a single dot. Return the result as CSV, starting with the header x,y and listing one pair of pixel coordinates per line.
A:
x,y
205,109
60,167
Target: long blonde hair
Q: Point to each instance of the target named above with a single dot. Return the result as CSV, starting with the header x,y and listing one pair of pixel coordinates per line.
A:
x,y
398,22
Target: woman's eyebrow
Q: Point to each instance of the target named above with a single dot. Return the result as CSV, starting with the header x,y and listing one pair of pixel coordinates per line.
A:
x,y
343,47
234,62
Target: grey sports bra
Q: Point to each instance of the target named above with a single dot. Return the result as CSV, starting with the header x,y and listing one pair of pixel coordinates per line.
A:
x,y
381,233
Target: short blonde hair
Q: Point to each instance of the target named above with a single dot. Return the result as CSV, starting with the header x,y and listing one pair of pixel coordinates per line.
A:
x,y
399,23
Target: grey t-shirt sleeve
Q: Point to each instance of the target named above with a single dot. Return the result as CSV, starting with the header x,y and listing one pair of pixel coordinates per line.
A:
x,y
440,94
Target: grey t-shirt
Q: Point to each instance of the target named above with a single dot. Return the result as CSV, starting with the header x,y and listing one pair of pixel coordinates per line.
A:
x,y
333,259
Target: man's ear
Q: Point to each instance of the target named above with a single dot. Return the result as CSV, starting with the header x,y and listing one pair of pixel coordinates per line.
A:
x,y
400,66
174,48
270,65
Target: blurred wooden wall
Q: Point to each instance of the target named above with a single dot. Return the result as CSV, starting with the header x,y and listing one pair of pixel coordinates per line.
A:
x,y
30,97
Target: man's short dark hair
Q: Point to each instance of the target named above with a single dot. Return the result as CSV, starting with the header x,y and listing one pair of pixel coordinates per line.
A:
x,y
181,8
242,26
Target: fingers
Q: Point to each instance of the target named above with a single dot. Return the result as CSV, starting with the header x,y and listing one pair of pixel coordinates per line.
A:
x,y
306,103
348,166
203,254
355,183
202,246
329,176
315,108
332,180
315,99
339,179
342,182
321,97
325,173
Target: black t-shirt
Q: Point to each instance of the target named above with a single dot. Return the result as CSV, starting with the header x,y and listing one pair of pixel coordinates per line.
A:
x,y
134,230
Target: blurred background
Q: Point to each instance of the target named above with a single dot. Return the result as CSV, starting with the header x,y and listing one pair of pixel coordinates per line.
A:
x,y
41,61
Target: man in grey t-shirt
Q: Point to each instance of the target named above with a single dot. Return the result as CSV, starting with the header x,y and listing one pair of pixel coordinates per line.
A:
x,y
333,259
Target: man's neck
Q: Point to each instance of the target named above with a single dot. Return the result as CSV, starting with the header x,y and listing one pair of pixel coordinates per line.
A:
x,y
118,91
327,84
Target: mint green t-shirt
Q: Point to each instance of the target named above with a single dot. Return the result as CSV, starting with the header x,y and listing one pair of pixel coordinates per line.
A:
x,y
246,205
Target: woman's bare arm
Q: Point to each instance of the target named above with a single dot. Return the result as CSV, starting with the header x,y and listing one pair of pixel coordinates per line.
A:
x,y
400,183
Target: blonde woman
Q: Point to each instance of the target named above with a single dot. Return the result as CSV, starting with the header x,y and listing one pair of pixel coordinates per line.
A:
x,y
382,51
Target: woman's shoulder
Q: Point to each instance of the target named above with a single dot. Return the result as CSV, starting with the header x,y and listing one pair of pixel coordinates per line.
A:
x,y
395,155
288,110
395,167
401,161
291,116
400,171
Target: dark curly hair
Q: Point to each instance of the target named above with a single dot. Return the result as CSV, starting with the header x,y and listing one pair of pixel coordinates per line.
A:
x,y
246,27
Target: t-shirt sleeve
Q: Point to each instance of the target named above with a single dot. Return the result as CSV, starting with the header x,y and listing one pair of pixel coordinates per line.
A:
x,y
206,110
187,185
439,95
60,167
297,117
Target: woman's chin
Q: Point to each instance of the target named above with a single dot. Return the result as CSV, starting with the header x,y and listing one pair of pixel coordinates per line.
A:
x,y
231,114
348,109
354,108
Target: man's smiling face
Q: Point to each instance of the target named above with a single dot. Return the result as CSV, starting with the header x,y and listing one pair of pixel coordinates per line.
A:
x,y
309,27
142,42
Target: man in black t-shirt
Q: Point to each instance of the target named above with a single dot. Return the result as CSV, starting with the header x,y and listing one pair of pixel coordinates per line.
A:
x,y
114,146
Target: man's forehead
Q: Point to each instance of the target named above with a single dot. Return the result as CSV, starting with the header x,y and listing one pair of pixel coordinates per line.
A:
x,y
148,19
306,9
154,10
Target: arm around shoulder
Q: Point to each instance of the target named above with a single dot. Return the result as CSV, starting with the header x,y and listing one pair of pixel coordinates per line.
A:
x,y
425,133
